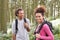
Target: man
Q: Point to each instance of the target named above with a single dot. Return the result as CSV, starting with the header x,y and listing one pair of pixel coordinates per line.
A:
x,y
23,27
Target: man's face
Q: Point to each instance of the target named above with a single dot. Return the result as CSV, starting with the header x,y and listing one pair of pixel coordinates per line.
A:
x,y
39,17
21,14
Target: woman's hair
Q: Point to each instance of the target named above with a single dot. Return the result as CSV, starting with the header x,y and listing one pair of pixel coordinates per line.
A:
x,y
17,11
40,9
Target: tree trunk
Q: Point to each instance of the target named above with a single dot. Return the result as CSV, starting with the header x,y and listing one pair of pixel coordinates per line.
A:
x,y
3,16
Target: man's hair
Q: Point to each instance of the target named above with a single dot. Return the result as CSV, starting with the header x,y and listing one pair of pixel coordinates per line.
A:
x,y
17,11
40,9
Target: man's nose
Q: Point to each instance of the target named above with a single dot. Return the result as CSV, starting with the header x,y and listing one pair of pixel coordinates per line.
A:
x,y
37,18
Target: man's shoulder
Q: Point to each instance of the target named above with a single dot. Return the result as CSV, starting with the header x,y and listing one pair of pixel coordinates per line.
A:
x,y
27,19
13,22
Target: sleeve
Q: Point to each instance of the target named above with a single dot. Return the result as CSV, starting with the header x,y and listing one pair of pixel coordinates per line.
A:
x,y
13,28
48,32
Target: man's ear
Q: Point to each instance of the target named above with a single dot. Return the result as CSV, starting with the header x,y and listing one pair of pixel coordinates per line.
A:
x,y
17,14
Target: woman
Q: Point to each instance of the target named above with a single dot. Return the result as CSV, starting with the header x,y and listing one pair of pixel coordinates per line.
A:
x,y
39,16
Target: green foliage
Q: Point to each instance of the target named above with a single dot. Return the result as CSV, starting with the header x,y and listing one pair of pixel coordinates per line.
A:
x,y
4,36
56,30
57,37
56,33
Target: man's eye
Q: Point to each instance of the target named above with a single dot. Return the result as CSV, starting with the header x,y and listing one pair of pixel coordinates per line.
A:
x,y
38,16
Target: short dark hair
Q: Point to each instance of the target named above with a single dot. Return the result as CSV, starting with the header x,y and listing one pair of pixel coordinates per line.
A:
x,y
40,10
17,11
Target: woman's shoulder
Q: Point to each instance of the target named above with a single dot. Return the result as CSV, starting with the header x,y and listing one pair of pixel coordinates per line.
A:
x,y
45,26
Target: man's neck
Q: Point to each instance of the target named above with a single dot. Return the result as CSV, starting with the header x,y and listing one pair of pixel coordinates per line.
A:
x,y
20,18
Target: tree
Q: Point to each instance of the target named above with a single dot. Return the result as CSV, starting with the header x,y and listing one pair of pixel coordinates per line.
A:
x,y
3,15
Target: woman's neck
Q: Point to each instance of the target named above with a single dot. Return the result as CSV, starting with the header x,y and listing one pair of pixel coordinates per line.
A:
x,y
41,22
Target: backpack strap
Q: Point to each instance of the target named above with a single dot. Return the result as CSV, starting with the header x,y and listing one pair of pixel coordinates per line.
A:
x,y
16,25
40,27
25,20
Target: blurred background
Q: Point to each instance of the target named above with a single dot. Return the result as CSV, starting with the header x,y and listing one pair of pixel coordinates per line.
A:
x,y
7,15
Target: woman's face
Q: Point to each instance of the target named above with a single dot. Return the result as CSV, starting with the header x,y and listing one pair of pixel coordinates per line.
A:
x,y
39,17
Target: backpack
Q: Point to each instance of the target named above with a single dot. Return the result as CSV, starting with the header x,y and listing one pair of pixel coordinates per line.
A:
x,y
40,27
49,25
16,24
